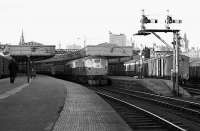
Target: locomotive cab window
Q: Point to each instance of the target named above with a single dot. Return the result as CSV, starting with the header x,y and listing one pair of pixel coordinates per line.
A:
x,y
97,60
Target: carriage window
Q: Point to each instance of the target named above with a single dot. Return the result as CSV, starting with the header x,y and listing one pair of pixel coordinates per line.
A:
x,y
97,60
129,67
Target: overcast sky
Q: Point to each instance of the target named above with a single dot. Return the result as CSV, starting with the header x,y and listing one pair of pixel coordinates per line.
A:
x,y
71,21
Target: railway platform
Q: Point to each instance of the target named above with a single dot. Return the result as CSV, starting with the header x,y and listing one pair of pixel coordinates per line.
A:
x,y
6,87
84,110
49,104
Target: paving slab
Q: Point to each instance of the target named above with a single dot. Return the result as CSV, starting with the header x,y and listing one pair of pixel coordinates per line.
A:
x,y
5,84
34,107
84,110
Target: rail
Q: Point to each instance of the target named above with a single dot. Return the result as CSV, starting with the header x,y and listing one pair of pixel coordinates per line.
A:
x,y
166,124
175,106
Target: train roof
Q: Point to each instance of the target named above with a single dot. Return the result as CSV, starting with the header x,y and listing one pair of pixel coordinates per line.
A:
x,y
147,59
194,61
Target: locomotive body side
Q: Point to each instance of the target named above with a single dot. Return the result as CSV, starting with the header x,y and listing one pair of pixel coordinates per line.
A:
x,y
90,70
96,66
82,70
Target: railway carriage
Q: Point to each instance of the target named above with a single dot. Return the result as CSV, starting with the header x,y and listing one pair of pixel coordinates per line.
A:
x,y
4,62
194,69
116,66
160,67
44,68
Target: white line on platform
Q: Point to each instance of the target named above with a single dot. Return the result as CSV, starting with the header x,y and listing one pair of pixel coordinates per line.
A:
x,y
13,91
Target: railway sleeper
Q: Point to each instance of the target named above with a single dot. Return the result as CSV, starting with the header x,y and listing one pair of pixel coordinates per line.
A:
x,y
148,127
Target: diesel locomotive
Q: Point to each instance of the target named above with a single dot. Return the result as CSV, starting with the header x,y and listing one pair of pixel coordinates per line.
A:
x,y
91,70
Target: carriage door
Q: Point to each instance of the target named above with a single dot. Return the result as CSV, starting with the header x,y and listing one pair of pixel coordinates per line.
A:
x,y
163,67
159,67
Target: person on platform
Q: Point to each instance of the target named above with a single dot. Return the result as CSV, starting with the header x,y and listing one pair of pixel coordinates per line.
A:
x,y
12,70
33,73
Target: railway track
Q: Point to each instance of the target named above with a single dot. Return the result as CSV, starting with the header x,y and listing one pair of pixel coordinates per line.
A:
x,y
194,92
193,88
171,109
186,107
193,84
138,118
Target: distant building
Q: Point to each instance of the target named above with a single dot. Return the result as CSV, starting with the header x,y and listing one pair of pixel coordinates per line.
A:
x,y
146,52
64,51
163,48
73,46
119,40
21,42
33,43
132,43
186,41
193,52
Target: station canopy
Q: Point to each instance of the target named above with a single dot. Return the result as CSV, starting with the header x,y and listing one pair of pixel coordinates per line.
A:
x,y
22,52
106,50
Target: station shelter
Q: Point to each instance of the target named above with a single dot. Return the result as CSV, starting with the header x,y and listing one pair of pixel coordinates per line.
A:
x,y
25,55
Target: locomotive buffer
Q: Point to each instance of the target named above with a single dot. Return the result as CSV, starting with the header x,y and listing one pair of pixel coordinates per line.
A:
x,y
176,43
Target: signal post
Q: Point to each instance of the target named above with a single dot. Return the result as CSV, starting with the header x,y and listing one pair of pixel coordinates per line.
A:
x,y
176,42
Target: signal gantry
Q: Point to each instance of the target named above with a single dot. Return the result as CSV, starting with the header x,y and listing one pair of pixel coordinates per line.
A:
x,y
176,41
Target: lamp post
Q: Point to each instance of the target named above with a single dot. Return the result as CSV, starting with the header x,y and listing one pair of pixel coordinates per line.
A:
x,y
28,68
